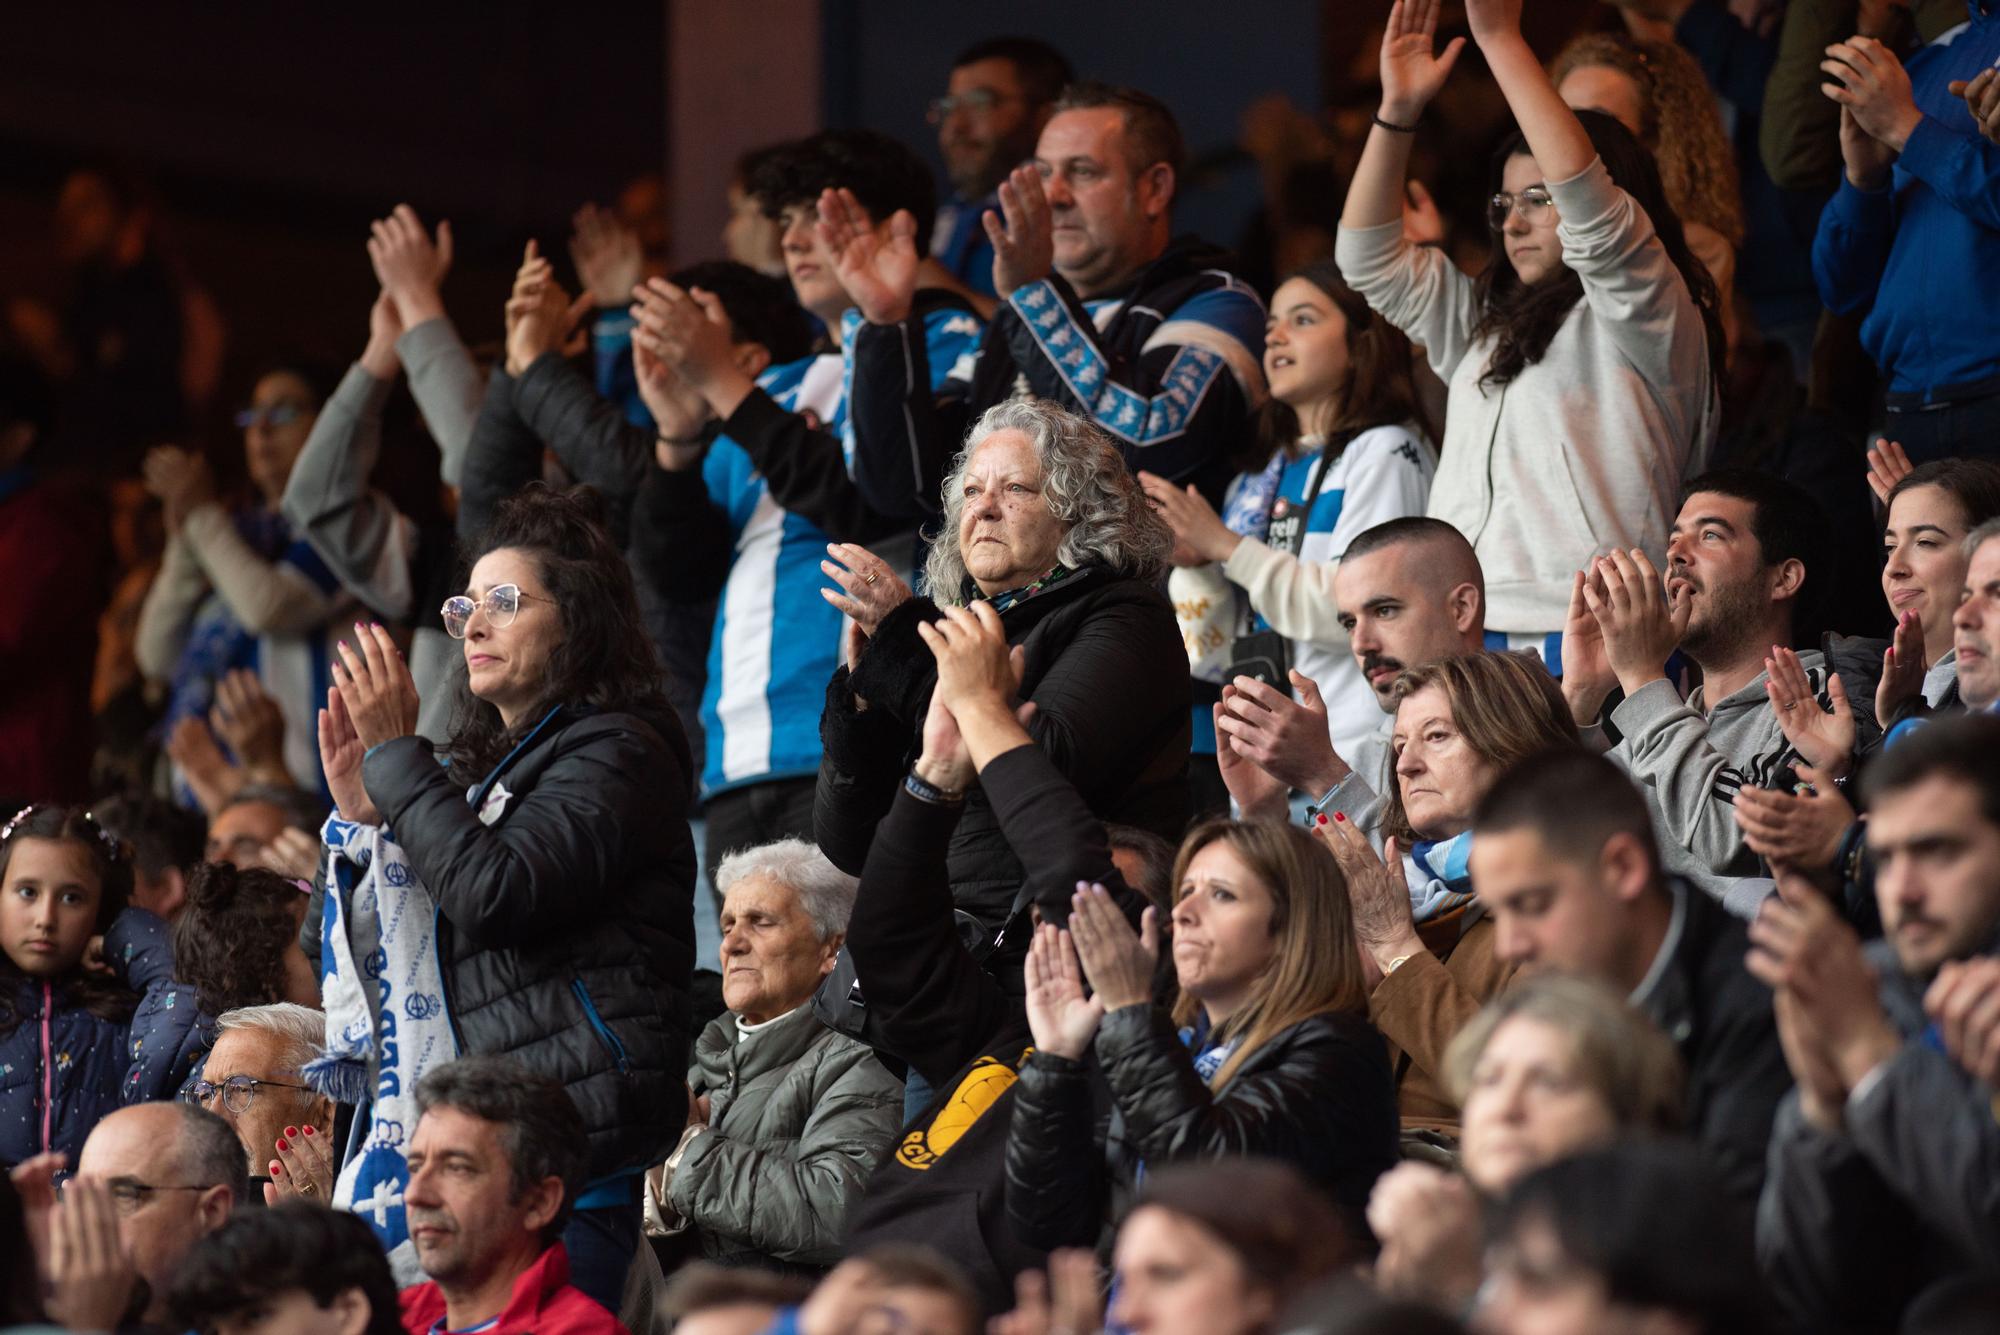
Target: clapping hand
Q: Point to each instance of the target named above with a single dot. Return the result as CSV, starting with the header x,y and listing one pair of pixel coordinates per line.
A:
x,y
869,588
1117,961
1062,1016
180,479
1903,670
1428,1223
385,326
409,264
1982,99
687,330
540,315
1887,465
1824,737
1801,948
208,772
1258,794
1640,625
1413,71
975,666
1285,737
1964,1001
880,274
294,854
1064,1302
90,1274
1196,525
1377,891
1870,82
678,410
609,261
376,686
340,753
1022,233
1803,830
249,722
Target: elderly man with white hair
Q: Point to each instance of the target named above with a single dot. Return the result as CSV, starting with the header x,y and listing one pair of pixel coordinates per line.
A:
x,y
786,1118
251,1080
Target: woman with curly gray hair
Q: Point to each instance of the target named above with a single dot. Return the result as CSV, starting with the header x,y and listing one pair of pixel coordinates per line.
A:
x,y
1043,520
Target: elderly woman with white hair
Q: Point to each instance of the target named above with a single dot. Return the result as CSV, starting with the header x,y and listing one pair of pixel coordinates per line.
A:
x,y
1042,520
785,1117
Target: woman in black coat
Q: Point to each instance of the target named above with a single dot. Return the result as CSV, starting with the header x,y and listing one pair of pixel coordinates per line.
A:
x,y
1269,1052
551,839
1043,521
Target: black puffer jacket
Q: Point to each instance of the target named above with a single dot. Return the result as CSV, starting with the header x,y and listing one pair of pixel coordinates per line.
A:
x,y
565,912
1112,715
1319,1096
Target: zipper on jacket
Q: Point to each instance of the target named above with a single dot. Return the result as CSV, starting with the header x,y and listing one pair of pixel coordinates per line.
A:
x,y
604,1034
438,940
48,1066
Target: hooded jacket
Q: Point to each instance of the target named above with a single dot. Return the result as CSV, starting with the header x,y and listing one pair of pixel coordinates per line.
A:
x,y
565,905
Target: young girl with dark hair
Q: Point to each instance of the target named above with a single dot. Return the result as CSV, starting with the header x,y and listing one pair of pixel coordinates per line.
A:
x,y
1583,363
1342,446
65,1019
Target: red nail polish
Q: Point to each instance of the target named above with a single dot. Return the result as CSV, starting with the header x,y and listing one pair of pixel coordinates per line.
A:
x,y
281,1143
291,1131
1340,816
277,1169
309,1131
1321,818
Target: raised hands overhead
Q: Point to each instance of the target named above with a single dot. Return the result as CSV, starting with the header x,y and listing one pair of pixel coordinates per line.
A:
x,y
540,315
880,273
385,326
609,260
410,263
1413,69
679,411
1022,233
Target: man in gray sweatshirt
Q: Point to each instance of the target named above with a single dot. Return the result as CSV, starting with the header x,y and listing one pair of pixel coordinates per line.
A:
x,y
1739,565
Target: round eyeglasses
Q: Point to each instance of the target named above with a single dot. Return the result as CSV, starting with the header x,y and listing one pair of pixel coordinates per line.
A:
x,y
978,101
501,604
238,1092
1532,203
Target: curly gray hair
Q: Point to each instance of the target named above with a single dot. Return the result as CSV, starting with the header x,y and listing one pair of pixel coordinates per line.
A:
x,y
1108,520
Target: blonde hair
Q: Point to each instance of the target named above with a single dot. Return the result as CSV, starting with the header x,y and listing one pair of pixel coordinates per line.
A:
x,y
1318,965
1623,1055
1505,705
1679,122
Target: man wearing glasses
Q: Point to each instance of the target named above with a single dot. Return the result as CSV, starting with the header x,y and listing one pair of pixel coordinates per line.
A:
x,y
1000,95
251,1081
174,1174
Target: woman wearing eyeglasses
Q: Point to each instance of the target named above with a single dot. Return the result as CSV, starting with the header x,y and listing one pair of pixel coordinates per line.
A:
x,y
1583,362
239,587
551,838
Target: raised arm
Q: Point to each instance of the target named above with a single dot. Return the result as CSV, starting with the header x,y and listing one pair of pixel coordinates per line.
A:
x,y
1555,136
1412,75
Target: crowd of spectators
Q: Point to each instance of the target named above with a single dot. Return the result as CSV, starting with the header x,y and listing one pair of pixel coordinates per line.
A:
x,y
980,766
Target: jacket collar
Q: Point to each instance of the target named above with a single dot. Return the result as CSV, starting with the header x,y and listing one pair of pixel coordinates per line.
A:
x,y
788,1039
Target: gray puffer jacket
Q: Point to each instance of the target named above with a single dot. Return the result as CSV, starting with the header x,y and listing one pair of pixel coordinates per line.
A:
x,y
798,1115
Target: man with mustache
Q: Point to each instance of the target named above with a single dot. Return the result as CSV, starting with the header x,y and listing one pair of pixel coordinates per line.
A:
x,y
1740,568
1880,1180
495,1164
1407,592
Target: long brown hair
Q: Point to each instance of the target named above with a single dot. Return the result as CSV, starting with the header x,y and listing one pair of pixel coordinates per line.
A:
x,y
1381,385
1506,706
106,998
1318,966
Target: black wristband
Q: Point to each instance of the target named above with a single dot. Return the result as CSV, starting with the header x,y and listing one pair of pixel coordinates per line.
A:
x,y
1391,125
931,793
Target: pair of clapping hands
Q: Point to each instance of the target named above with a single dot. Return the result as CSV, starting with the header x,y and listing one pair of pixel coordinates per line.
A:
x,y
373,700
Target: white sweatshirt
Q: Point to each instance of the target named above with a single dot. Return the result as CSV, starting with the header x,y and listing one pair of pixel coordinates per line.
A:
x,y
1587,449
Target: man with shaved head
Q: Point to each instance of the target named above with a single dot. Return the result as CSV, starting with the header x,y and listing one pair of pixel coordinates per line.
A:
x,y
1407,592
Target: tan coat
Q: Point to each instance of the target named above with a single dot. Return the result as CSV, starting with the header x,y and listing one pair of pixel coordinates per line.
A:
x,y
1422,1005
